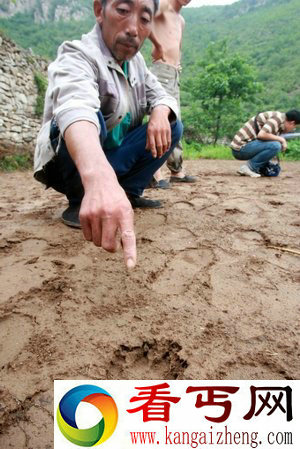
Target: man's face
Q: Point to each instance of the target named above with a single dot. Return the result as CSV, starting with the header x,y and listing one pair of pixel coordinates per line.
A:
x,y
125,25
289,126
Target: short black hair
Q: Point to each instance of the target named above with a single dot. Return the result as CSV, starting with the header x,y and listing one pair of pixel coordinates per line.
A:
x,y
293,116
156,4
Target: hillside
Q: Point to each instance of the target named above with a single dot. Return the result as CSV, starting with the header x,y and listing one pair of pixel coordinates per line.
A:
x,y
42,11
43,24
266,32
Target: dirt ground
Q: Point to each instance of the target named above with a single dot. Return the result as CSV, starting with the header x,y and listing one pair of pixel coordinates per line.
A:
x,y
209,299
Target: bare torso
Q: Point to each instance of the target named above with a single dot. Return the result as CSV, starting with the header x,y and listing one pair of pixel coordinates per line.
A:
x,y
168,29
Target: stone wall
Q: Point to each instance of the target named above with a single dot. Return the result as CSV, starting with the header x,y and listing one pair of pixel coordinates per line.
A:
x,y
19,123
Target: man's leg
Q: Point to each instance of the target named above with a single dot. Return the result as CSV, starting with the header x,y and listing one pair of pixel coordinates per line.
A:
x,y
258,153
168,76
133,164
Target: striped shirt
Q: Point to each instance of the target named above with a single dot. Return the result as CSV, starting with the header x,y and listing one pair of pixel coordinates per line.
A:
x,y
271,122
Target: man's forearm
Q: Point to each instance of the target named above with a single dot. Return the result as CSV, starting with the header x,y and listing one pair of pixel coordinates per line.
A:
x,y
83,144
263,135
154,40
105,209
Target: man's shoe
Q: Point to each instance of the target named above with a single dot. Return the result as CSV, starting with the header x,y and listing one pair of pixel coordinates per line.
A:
x,y
185,179
138,201
245,170
70,217
162,184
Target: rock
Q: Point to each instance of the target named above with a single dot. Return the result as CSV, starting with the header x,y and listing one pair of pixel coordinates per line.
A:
x,y
22,98
16,129
16,137
4,86
28,139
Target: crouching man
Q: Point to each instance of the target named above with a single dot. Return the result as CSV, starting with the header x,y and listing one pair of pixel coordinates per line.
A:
x,y
92,146
259,140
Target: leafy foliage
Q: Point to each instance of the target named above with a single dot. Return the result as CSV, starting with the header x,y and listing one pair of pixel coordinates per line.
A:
x,y
195,150
41,83
43,39
222,82
268,36
293,150
14,162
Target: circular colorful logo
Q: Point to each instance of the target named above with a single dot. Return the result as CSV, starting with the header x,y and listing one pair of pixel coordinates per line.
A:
x,y
66,411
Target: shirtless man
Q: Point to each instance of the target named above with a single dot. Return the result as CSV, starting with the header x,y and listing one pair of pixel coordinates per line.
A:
x,y
166,37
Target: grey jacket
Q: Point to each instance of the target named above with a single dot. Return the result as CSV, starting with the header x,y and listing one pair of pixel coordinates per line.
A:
x,y
84,79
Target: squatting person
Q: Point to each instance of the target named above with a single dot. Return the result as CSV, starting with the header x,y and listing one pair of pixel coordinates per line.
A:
x,y
92,145
259,140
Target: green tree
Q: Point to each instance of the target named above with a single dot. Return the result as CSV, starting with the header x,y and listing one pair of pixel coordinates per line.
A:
x,y
223,83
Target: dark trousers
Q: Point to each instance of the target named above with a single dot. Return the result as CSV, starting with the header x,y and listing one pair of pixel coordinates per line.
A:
x,y
132,163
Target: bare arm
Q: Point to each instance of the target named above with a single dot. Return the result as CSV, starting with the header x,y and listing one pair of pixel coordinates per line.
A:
x,y
182,30
105,208
157,52
154,40
263,135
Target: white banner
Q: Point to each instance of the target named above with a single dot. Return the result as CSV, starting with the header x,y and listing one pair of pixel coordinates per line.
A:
x,y
127,414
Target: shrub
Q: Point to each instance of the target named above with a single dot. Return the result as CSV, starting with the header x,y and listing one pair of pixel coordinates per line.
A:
x,y
41,84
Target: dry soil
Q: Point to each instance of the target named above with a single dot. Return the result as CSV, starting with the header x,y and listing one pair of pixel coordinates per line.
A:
x,y
215,294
